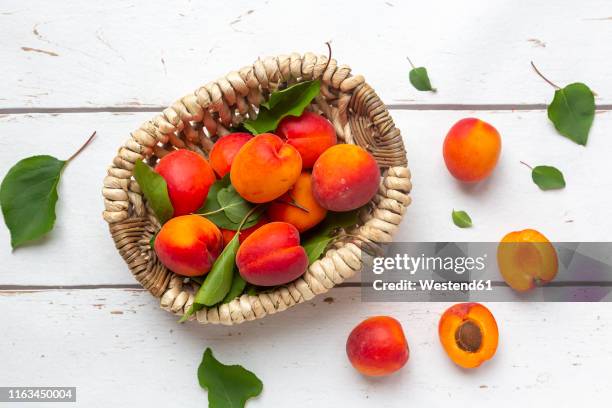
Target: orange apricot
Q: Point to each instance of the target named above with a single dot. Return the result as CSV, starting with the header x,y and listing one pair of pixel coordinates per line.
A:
x,y
301,197
311,134
265,168
345,177
225,149
526,259
471,149
468,332
188,177
188,245
229,234
272,255
377,346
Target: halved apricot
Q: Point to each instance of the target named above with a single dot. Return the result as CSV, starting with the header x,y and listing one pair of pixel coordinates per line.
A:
x,y
468,332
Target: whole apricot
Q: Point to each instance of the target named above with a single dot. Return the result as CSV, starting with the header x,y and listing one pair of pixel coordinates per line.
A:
x,y
265,168
468,332
377,346
188,177
272,255
311,134
229,234
471,150
345,177
225,149
298,206
526,259
188,245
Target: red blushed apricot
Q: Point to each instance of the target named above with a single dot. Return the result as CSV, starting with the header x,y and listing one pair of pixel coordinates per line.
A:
x,y
224,150
526,259
311,134
188,245
301,195
345,177
468,332
377,346
471,149
265,168
272,255
229,234
189,177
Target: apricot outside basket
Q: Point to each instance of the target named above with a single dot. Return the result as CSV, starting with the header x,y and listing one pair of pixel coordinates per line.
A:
x,y
195,121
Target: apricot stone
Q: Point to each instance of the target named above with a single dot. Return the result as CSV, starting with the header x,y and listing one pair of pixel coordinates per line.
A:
x,y
189,177
299,195
188,245
272,255
377,346
265,168
526,259
345,177
471,150
224,150
311,134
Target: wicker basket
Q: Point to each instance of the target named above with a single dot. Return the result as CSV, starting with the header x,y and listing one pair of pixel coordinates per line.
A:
x,y
196,120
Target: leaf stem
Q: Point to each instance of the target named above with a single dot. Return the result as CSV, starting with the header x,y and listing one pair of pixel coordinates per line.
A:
x,y
246,217
411,64
522,162
217,210
82,147
543,77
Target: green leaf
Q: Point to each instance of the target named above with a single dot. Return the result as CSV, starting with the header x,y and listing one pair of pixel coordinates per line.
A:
x,y
234,206
155,190
317,240
548,177
229,386
219,280
218,214
238,285
420,80
572,111
28,195
290,101
462,219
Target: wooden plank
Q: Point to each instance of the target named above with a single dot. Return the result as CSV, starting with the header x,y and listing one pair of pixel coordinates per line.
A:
x,y
102,340
115,53
80,252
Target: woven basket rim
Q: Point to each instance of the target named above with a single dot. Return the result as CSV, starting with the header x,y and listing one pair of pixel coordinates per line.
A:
x,y
359,117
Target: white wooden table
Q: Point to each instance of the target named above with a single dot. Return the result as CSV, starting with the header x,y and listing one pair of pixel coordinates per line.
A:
x,y
70,311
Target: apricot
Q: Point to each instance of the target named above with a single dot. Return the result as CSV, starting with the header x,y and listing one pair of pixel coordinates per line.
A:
x,y
225,149
377,346
345,177
300,195
311,134
468,332
526,259
471,150
188,245
272,255
189,177
229,234
265,168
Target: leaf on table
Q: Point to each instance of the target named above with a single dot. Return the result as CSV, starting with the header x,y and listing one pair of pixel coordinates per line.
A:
x,y
548,177
572,112
229,386
155,190
420,79
317,240
461,219
28,196
290,101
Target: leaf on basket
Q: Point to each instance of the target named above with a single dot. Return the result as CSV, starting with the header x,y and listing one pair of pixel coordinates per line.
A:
x,y
229,386
28,195
572,111
317,240
218,281
290,101
237,288
155,190
548,177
